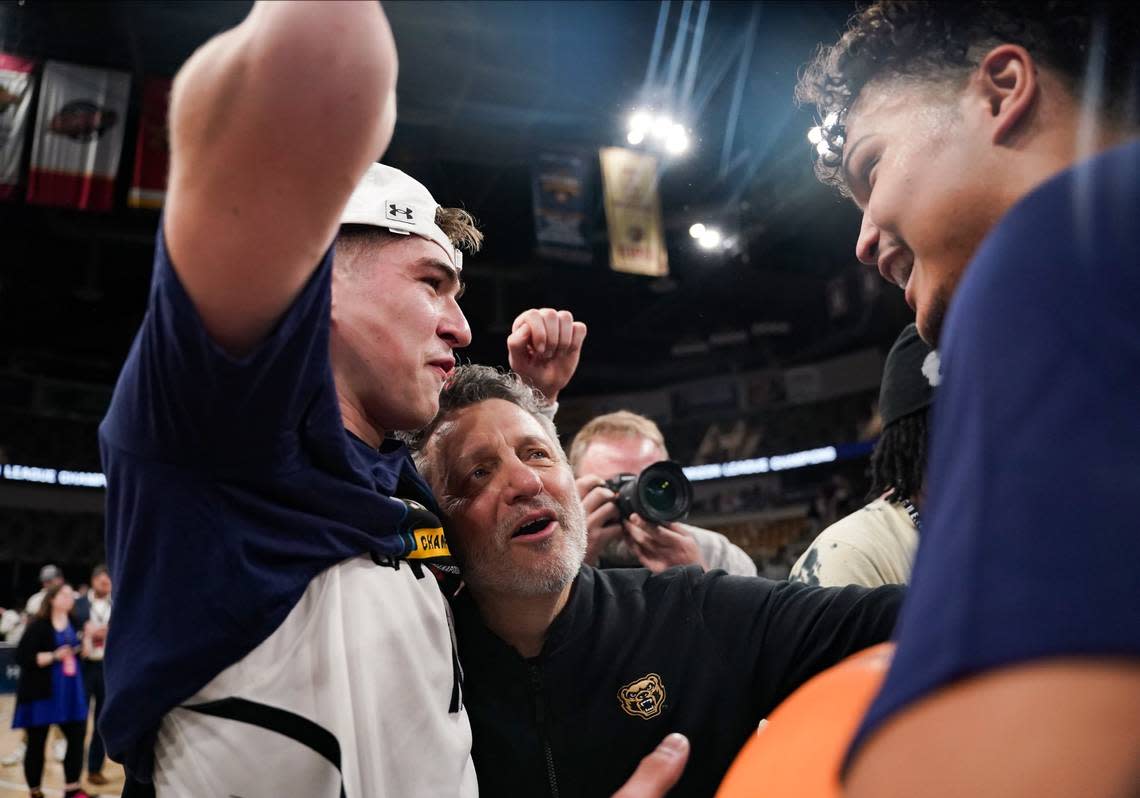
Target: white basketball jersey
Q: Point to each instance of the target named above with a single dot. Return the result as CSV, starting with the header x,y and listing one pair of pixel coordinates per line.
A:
x,y
354,695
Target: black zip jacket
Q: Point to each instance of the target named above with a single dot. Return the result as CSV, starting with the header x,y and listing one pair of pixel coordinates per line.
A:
x,y
633,657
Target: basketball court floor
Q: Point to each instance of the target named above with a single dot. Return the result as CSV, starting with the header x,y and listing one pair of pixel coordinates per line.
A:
x,y
12,783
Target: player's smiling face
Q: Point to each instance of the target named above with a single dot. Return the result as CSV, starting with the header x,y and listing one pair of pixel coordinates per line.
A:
x,y
917,169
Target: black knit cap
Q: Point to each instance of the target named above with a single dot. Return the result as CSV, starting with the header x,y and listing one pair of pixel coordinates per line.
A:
x,y
909,377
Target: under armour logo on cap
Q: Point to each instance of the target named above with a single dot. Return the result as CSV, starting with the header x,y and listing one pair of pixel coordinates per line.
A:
x,y
400,212
389,199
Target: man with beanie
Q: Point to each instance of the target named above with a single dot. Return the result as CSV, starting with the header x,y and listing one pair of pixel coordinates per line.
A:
x,y
276,631
876,544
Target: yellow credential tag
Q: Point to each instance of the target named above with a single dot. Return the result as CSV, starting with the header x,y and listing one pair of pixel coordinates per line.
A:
x,y
430,543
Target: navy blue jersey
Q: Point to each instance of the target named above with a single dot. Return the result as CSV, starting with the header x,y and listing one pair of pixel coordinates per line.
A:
x,y
1030,544
231,483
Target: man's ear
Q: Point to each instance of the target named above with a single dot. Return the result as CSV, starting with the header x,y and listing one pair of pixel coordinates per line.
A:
x,y
1006,83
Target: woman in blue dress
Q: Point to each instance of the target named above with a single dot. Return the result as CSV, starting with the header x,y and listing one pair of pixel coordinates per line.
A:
x,y
51,690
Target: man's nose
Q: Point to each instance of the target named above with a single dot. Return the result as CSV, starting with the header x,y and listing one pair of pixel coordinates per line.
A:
x,y
867,245
522,481
453,327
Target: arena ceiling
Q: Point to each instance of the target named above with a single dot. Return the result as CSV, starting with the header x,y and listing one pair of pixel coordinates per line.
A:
x,y
483,88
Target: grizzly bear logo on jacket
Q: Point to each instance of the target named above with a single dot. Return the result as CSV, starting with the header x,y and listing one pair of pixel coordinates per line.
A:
x,y
644,697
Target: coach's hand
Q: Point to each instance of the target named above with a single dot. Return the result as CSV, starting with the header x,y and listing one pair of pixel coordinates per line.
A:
x,y
659,771
544,347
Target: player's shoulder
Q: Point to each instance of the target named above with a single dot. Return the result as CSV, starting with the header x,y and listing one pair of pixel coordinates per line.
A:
x,y
1072,242
1074,226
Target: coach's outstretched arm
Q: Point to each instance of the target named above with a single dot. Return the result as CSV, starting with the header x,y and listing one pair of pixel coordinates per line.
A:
x,y
272,124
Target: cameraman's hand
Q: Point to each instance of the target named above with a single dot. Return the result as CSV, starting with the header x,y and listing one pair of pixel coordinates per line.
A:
x,y
603,523
543,348
662,547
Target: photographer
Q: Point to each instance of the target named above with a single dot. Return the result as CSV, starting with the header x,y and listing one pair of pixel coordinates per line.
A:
x,y
544,348
626,443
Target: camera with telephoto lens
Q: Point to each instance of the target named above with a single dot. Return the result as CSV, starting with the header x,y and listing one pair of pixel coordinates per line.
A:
x,y
660,494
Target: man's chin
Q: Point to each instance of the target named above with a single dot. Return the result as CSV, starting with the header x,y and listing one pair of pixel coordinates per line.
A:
x,y
412,419
929,319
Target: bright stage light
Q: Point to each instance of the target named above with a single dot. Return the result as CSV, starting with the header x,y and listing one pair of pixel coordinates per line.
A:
x,y
710,238
666,134
697,230
640,121
677,141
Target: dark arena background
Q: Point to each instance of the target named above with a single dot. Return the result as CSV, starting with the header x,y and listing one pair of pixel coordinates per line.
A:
x,y
759,351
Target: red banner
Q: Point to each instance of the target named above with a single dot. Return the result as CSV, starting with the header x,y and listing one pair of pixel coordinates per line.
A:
x,y
17,85
152,155
79,136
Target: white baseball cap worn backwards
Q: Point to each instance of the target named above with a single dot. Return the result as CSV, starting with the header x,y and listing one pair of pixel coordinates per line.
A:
x,y
386,197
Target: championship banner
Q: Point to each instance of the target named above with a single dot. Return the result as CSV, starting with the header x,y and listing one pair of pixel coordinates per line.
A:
x,y
561,204
633,212
17,85
152,152
79,136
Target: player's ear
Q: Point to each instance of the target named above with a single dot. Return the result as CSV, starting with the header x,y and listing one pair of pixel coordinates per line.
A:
x,y
1004,88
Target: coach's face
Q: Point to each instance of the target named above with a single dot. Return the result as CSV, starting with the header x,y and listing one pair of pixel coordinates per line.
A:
x,y
514,518
395,322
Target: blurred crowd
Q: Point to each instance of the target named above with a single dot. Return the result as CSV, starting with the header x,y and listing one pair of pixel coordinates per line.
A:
x,y
59,637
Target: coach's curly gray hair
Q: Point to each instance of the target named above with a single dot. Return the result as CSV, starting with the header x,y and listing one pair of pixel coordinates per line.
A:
x,y
469,385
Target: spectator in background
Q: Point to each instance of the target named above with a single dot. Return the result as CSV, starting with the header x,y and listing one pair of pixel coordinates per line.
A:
x,y
625,443
11,625
50,576
876,545
543,349
832,501
50,690
93,615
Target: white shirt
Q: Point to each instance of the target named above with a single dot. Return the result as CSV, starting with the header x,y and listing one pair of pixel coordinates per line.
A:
x,y
34,602
100,616
719,552
873,546
364,665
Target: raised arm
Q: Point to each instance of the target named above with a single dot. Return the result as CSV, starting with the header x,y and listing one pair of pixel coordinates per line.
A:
x,y
272,124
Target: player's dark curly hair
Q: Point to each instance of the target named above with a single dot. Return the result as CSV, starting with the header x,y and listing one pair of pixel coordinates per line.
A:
x,y
899,459
943,42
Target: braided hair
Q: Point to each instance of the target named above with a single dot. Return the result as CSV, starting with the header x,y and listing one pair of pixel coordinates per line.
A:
x,y
899,459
